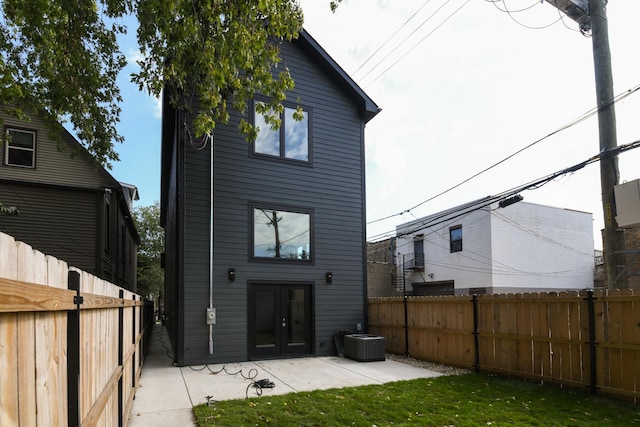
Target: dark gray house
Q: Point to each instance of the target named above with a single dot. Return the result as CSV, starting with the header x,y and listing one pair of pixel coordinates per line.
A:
x,y
265,241
68,207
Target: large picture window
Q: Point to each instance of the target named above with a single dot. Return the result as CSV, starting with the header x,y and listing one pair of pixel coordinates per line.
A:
x,y
20,148
282,234
291,141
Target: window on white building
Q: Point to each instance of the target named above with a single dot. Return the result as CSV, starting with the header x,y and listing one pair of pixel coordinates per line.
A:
x,y
455,238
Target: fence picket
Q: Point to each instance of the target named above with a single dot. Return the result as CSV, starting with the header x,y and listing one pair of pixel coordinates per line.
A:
x,y
9,377
34,345
544,337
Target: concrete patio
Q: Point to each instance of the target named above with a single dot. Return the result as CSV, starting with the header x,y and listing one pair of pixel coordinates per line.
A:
x,y
167,393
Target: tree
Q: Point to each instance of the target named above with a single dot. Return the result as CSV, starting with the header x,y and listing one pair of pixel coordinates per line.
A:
x,y
62,59
150,276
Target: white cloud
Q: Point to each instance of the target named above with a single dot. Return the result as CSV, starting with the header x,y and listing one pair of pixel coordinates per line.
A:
x,y
133,56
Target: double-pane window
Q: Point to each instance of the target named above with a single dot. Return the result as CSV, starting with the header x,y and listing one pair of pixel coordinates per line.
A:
x,y
20,148
290,141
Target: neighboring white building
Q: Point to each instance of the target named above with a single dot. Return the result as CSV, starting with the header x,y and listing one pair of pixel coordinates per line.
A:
x,y
523,247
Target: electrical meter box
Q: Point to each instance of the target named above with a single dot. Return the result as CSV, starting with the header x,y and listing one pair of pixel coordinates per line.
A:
x,y
628,204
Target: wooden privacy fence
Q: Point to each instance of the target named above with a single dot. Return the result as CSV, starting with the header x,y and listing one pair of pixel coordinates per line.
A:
x,y
71,345
580,339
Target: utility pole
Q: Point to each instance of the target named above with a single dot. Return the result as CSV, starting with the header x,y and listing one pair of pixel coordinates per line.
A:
x,y
592,15
613,238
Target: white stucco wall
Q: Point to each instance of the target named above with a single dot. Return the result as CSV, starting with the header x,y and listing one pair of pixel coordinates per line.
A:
x,y
542,247
523,247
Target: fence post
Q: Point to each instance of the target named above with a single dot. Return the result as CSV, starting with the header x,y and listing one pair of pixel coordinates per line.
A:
x,y
120,356
73,352
134,333
592,342
476,345
406,311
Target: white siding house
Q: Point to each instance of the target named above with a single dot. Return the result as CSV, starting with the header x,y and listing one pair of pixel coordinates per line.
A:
x,y
523,247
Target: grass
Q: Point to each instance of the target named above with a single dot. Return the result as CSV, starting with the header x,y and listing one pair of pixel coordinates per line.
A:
x,y
463,400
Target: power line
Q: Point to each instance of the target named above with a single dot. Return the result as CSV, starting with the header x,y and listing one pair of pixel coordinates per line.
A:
x,y
506,10
461,210
392,36
404,40
511,12
570,124
417,44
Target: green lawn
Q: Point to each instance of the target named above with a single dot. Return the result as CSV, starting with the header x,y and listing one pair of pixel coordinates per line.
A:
x,y
462,400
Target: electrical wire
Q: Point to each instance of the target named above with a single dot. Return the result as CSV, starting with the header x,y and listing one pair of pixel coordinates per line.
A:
x,y
491,264
506,10
402,42
593,111
542,237
458,211
510,13
391,37
251,375
417,44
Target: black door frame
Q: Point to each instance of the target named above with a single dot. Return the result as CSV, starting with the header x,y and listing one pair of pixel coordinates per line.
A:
x,y
281,348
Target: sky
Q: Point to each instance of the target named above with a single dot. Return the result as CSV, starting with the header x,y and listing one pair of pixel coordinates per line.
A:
x,y
462,86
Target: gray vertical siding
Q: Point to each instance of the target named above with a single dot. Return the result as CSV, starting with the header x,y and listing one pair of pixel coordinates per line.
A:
x,y
333,188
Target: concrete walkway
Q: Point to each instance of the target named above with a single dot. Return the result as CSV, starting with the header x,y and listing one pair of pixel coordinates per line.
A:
x,y
167,393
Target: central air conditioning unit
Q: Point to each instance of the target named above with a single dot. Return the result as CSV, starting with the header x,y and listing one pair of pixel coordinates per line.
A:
x,y
364,347
578,10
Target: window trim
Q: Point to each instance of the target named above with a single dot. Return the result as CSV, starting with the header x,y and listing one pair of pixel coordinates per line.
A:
x,y
418,241
282,149
285,208
455,247
33,132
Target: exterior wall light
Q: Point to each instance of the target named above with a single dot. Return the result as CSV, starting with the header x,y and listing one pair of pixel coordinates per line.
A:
x,y
231,275
329,277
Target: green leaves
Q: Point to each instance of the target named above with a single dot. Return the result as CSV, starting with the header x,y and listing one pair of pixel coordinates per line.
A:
x,y
150,278
218,54
62,59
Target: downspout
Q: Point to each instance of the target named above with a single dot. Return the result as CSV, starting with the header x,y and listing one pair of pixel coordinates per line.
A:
x,y
211,244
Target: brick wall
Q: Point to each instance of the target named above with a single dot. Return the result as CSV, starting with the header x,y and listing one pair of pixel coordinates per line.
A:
x,y
381,269
631,241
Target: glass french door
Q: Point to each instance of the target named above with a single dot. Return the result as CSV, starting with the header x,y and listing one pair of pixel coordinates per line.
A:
x,y
279,320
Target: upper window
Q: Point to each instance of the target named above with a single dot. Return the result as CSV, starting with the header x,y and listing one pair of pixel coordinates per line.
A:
x,y
20,148
290,141
281,234
455,238
418,251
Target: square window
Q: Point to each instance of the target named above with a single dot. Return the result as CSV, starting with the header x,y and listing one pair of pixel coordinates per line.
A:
x,y
290,142
455,238
20,148
281,234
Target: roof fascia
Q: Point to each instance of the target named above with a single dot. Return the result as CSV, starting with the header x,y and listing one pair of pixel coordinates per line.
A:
x,y
367,106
